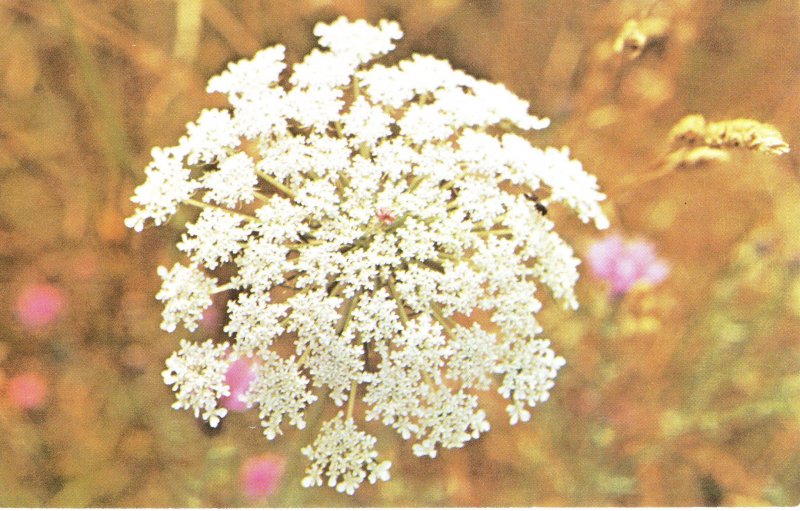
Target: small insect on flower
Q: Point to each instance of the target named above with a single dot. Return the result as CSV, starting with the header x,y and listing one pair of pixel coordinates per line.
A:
x,y
541,208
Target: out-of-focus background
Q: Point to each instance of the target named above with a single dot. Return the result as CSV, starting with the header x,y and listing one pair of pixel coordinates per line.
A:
x,y
683,392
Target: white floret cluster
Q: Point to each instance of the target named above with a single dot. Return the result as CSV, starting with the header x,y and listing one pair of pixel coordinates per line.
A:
x,y
382,233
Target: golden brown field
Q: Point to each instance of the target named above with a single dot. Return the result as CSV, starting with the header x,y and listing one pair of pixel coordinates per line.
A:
x,y
681,393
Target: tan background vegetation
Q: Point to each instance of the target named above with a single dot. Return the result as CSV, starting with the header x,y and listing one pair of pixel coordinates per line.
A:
x,y
684,394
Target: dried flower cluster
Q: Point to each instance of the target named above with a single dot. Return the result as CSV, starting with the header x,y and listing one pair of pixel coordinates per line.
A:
x,y
364,213
637,34
701,141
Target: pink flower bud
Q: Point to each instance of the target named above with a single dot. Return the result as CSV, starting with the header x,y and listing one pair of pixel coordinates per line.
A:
x,y
261,475
211,317
239,376
626,263
39,305
385,216
27,391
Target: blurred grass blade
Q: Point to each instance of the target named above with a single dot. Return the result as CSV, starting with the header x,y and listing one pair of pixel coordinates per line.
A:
x,y
110,133
188,21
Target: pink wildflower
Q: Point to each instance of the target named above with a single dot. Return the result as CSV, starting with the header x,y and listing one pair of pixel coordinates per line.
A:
x,y
27,391
260,475
626,263
239,376
211,317
385,216
39,305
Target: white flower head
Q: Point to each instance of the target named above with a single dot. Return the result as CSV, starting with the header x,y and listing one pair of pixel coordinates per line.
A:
x,y
343,457
279,390
235,181
248,77
196,373
366,123
210,137
214,238
167,185
186,293
358,39
359,214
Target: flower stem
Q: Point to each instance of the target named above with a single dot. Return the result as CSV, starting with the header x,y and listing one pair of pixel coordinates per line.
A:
x,y
437,314
496,232
260,196
401,309
351,400
277,185
304,357
224,287
398,223
351,304
305,244
416,182
203,205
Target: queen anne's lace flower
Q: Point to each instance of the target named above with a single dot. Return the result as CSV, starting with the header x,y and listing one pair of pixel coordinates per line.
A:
x,y
361,214
343,456
186,293
197,375
214,238
279,389
167,185
235,181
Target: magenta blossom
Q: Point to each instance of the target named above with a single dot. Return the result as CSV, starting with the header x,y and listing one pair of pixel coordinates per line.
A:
x,y
260,475
211,317
27,391
626,263
239,376
39,305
